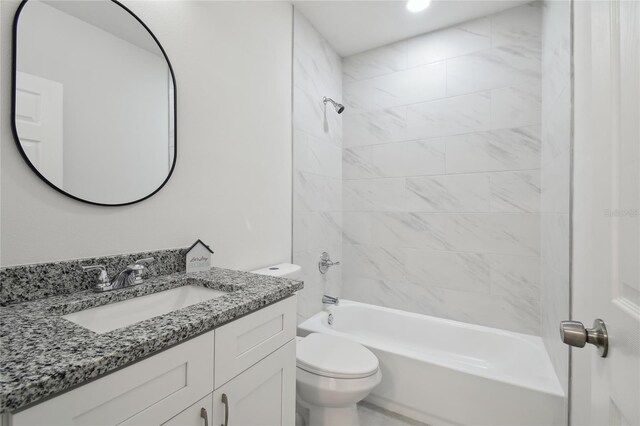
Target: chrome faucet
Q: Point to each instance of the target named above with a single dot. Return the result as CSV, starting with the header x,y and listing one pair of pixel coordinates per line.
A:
x,y
130,276
330,300
325,262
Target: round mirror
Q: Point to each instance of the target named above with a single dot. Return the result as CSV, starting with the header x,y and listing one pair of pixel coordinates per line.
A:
x,y
93,100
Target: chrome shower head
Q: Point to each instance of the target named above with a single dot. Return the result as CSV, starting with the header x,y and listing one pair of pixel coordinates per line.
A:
x,y
339,107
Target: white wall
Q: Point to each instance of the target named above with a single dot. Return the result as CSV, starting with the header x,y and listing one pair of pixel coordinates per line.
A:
x,y
317,179
232,183
555,174
115,103
441,172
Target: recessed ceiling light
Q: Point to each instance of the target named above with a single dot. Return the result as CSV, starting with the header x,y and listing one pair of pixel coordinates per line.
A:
x,y
416,6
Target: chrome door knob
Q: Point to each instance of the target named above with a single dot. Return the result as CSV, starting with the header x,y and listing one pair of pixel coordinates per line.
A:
x,y
573,333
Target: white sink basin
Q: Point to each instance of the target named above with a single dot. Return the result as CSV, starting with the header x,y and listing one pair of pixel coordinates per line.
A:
x,y
103,319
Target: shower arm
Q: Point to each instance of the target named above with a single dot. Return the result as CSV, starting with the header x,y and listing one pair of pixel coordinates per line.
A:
x,y
325,100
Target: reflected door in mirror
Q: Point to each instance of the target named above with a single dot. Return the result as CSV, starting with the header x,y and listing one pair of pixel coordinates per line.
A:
x,y
39,123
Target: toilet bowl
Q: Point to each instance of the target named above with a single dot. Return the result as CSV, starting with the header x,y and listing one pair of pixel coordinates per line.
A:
x,y
332,375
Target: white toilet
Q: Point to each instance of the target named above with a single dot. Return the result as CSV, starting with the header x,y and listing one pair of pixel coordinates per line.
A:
x,y
333,374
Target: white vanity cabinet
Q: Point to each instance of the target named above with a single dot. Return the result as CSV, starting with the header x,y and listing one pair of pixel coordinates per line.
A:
x,y
251,360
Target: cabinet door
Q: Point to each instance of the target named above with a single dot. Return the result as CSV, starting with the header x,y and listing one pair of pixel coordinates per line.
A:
x,y
263,395
199,414
247,340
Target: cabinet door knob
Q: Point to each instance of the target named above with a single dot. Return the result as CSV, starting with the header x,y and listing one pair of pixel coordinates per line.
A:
x,y
205,416
225,401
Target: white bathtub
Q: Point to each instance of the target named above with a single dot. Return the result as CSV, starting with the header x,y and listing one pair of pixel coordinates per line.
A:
x,y
445,372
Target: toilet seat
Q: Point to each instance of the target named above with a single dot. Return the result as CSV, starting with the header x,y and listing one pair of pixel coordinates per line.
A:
x,y
331,392
332,356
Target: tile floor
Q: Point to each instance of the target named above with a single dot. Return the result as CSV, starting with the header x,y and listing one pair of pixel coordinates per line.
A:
x,y
370,415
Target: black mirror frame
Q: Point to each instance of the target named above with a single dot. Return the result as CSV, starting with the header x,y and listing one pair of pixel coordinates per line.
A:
x,y
14,62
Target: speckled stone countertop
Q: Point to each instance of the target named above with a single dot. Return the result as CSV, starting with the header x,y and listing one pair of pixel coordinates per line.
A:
x,y
42,354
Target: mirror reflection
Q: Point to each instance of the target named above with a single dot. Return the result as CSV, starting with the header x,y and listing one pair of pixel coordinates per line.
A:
x,y
94,100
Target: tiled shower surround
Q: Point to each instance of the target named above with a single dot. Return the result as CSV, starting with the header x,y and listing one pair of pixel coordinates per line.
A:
x,y
448,173
555,179
317,168
441,172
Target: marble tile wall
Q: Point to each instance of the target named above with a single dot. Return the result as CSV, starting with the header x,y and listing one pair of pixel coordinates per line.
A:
x,y
555,179
441,172
317,164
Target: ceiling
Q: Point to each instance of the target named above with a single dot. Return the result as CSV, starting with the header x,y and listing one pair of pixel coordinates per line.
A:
x,y
110,18
355,26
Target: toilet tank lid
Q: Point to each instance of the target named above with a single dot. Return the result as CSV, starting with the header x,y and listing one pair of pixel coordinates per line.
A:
x,y
285,270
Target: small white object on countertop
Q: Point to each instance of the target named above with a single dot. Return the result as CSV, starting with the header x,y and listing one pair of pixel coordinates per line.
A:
x,y
198,257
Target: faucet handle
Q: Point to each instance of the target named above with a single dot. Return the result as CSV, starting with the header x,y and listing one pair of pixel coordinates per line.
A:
x,y
145,260
325,262
103,278
137,267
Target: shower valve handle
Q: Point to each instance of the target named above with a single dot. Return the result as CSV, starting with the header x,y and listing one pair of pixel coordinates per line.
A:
x,y
325,263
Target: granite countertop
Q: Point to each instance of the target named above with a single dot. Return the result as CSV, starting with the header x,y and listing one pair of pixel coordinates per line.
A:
x,y
42,354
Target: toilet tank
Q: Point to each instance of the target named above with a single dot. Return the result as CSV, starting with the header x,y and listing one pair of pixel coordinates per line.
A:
x,y
283,270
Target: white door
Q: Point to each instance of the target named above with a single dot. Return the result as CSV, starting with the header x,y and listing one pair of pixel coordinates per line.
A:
x,y
606,233
263,395
39,124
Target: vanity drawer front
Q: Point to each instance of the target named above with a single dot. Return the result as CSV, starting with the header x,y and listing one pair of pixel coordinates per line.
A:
x,y
194,415
247,340
148,392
